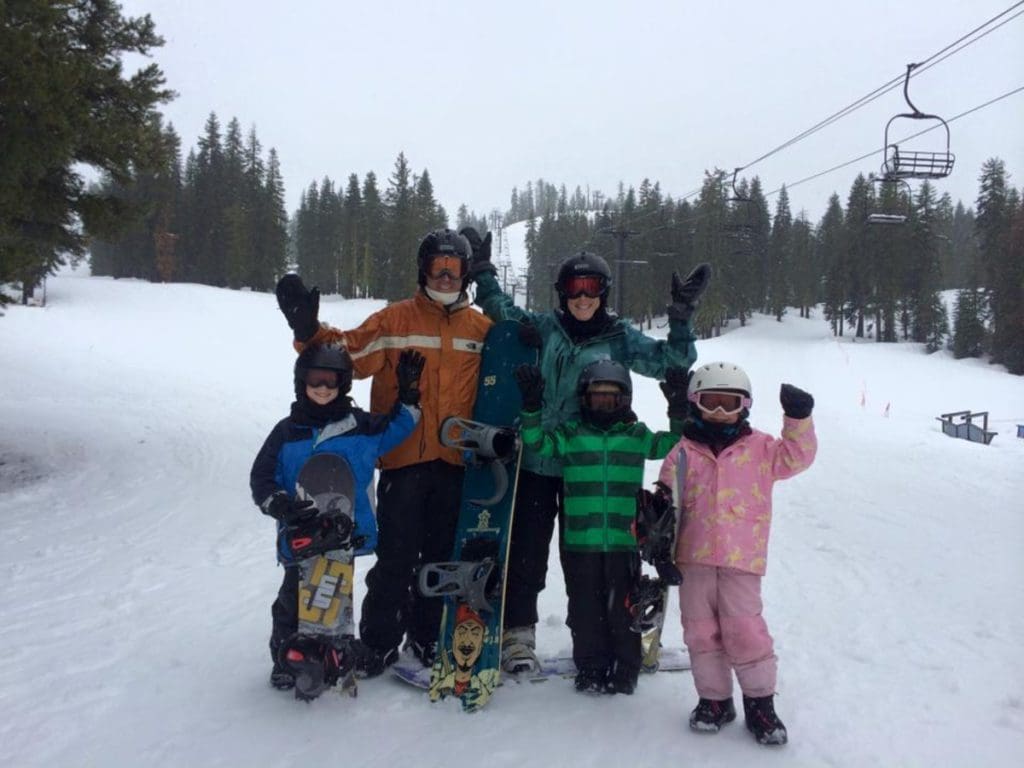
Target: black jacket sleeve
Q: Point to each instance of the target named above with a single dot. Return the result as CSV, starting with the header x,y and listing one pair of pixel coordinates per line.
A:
x,y
262,476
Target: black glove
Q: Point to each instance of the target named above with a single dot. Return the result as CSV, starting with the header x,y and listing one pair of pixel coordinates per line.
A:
x,y
796,403
674,386
289,511
686,293
529,336
480,261
410,366
531,385
300,307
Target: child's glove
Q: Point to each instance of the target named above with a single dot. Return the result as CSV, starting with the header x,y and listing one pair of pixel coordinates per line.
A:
x,y
531,385
480,261
796,403
410,366
299,306
289,511
686,293
674,386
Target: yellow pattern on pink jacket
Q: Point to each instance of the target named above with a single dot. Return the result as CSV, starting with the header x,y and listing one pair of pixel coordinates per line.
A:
x,y
726,514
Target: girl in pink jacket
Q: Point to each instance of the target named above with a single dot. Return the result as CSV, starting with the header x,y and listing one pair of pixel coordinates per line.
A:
x,y
721,473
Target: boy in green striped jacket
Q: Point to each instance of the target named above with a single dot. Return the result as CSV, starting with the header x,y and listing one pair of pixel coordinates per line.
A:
x,y
603,455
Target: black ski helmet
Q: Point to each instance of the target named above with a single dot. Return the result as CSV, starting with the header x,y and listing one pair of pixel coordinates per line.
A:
x,y
447,242
328,357
583,263
606,371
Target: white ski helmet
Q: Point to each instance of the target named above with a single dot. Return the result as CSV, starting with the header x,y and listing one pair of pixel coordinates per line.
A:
x,y
727,377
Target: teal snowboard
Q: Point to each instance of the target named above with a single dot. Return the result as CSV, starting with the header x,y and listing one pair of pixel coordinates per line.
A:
x,y
472,584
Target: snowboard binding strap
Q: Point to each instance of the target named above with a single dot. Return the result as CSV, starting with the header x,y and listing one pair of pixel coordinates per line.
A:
x,y
465,580
483,443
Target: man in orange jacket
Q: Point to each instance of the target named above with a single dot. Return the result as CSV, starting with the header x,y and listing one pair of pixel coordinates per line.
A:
x,y
420,484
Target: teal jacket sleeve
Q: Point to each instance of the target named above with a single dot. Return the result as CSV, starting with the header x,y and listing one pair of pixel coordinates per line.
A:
x,y
652,357
495,304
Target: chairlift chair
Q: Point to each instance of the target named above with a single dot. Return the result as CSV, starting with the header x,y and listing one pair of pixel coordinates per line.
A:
x,y
893,215
743,226
907,164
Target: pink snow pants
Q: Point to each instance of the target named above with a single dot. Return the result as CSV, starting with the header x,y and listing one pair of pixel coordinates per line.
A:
x,y
724,631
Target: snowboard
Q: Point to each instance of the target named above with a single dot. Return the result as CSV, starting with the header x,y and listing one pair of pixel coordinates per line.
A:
x,y
670,660
472,584
320,652
661,532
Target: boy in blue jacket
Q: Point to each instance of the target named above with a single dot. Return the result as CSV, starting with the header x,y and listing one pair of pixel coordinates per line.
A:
x,y
324,419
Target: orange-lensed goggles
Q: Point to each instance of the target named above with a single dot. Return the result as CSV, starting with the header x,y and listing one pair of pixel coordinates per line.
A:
x,y
441,265
584,285
728,403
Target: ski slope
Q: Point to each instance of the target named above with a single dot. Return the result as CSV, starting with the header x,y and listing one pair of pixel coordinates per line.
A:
x,y
137,575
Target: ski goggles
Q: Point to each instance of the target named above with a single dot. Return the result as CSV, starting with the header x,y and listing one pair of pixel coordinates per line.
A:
x,y
591,286
316,378
442,264
728,403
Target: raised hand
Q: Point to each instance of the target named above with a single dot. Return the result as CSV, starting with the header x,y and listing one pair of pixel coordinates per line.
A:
x,y
480,261
299,306
531,386
677,380
686,292
796,403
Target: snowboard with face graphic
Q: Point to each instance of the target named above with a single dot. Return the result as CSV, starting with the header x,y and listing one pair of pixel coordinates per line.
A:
x,y
472,585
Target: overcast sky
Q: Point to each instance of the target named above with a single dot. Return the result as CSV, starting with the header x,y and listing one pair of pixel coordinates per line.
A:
x,y
489,95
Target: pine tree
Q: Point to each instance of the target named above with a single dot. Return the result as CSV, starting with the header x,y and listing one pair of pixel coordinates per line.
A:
x,y
780,255
403,233
65,103
832,256
1002,275
374,237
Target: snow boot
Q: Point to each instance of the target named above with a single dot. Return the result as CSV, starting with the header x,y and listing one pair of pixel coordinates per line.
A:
x,y
313,663
711,714
281,678
371,662
763,722
591,681
519,650
622,680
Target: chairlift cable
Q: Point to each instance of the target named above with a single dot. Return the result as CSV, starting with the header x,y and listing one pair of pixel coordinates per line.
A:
x,y
905,138
895,82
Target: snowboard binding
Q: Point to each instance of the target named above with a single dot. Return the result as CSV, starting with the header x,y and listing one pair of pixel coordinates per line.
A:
x,y
654,528
315,664
322,533
464,580
483,444
646,604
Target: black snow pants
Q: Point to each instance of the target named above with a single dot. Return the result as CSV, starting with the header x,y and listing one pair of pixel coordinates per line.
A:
x,y
417,510
598,584
285,610
538,506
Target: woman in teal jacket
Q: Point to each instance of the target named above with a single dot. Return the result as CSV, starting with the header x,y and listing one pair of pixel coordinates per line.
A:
x,y
580,331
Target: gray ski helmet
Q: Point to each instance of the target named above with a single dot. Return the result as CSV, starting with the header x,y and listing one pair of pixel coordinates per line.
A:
x,y
327,357
609,372
583,263
447,242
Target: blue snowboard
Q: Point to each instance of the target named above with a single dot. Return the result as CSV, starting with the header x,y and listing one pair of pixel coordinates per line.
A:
x,y
473,584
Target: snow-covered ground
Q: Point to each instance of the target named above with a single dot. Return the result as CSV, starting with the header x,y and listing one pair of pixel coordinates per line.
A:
x,y
137,574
